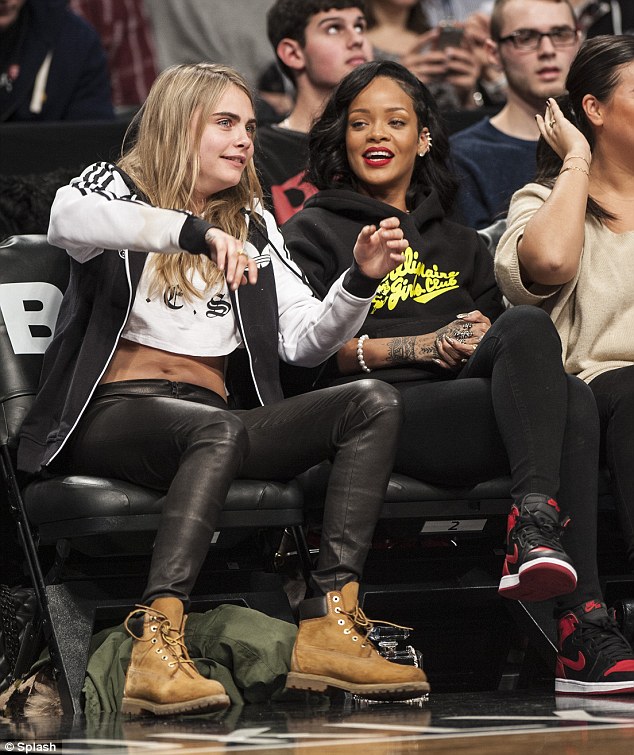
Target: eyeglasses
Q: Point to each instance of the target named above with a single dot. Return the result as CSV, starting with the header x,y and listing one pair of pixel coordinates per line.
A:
x,y
531,39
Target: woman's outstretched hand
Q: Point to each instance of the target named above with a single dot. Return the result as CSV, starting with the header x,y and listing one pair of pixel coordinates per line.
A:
x,y
379,250
458,341
228,254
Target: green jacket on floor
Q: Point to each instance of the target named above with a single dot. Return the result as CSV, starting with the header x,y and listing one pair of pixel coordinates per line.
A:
x,y
248,652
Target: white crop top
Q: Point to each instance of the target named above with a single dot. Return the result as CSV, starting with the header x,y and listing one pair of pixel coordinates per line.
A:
x,y
204,327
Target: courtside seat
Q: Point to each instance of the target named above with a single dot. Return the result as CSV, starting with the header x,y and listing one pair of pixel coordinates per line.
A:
x,y
488,498
103,515
411,499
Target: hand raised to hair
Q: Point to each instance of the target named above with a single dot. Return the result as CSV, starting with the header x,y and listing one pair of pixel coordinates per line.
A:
x,y
562,135
228,254
377,251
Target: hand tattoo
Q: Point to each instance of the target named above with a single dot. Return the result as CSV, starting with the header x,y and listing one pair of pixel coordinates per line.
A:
x,y
409,349
458,329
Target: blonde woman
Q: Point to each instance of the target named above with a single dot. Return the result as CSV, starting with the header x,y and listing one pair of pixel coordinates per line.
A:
x,y
176,271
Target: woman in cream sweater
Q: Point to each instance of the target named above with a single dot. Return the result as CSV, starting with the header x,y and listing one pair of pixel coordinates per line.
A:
x,y
569,245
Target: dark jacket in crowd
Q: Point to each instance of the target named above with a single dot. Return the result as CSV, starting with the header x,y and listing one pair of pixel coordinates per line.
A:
x,y
52,67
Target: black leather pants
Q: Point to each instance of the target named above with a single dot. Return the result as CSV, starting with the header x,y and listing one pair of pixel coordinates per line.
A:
x,y
183,439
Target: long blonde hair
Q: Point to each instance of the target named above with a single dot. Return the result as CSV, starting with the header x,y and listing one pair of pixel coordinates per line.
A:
x,y
164,163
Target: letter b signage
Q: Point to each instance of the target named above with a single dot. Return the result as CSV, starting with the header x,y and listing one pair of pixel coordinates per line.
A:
x,y
30,312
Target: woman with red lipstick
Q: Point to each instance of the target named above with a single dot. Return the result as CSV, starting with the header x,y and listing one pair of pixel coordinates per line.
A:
x,y
481,399
176,271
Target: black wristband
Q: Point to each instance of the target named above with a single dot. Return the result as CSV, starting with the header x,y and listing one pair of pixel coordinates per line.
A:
x,y
359,284
192,235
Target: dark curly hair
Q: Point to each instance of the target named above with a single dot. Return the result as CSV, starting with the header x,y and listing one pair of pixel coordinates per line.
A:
x,y
328,166
25,200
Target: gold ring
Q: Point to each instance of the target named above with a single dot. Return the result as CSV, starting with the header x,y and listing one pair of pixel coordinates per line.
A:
x,y
242,253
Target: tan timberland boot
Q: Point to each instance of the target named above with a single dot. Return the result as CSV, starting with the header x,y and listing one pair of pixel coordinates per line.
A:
x,y
332,649
161,677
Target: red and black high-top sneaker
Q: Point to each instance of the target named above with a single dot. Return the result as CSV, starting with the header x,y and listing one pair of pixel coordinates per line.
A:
x,y
594,658
536,567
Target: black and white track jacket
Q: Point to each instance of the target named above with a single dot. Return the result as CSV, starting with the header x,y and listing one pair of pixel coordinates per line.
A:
x,y
108,232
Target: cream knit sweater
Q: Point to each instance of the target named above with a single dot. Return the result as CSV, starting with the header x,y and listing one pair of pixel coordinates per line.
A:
x,y
593,312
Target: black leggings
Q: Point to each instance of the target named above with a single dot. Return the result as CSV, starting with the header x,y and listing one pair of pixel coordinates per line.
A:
x,y
512,409
614,393
183,439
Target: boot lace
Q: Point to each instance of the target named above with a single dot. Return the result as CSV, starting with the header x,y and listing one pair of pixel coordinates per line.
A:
x,y
532,531
364,625
175,645
605,638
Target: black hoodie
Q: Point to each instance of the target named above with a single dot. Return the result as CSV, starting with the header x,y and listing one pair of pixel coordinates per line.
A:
x,y
448,269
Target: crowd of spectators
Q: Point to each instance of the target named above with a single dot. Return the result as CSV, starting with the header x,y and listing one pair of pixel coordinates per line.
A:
x,y
54,67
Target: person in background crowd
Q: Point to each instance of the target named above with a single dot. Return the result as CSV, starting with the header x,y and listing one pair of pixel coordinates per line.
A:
x,y
52,64
481,400
596,17
126,34
569,246
317,42
232,32
400,30
275,95
167,248
534,42
457,10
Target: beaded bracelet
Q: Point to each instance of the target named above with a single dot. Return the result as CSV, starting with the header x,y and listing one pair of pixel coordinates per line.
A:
x,y
360,358
574,167
577,157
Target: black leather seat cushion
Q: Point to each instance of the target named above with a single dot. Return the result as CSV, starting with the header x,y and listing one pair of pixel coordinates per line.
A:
x,y
74,507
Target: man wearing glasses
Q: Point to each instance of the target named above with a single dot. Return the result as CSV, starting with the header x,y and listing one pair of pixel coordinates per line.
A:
x,y
534,42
